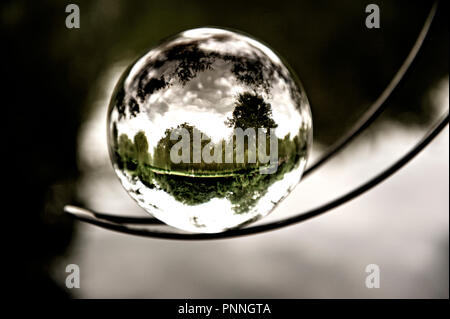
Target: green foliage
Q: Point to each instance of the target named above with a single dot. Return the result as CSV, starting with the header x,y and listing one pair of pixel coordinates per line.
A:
x,y
242,190
141,146
251,111
196,183
243,187
126,153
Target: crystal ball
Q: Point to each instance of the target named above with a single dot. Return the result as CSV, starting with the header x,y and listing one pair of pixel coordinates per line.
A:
x,y
209,130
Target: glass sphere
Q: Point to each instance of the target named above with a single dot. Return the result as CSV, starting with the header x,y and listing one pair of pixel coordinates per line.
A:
x,y
209,130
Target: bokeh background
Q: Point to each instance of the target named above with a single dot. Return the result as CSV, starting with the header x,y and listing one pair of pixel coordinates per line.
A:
x,y
56,88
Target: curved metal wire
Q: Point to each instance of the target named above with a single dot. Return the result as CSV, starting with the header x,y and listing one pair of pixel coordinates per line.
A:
x,y
380,103
117,223
96,219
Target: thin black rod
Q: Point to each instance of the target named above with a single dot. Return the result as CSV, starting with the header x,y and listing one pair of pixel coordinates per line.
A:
x,y
379,105
436,129
118,219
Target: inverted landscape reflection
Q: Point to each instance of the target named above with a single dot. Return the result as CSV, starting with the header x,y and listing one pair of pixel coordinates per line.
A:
x,y
211,82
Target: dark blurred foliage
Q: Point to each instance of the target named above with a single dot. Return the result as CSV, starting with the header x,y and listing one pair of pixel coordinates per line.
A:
x,y
50,74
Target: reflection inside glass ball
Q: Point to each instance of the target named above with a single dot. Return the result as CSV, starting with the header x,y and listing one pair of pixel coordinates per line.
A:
x,y
209,130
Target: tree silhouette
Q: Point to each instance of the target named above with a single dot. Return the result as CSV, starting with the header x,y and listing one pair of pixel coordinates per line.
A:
x,y
127,152
165,144
251,111
141,146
